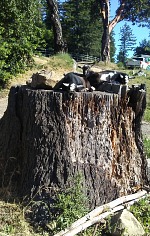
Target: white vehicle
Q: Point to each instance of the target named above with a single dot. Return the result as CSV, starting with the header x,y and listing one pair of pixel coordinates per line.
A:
x,y
137,62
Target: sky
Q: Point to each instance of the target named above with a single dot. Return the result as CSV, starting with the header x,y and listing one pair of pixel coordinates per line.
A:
x,y
140,33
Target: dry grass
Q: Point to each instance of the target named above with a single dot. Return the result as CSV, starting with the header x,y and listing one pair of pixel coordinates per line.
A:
x,y
12,220
59,65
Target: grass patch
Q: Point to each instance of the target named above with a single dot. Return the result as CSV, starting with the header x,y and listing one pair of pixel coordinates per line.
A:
x,y
147,114
141,211
57,63
60,61
12,220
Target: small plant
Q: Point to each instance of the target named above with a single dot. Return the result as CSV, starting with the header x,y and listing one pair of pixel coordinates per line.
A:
x,y
70,206
141,210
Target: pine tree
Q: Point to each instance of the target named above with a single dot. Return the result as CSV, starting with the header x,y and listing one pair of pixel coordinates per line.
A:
x,y
81,30
127,42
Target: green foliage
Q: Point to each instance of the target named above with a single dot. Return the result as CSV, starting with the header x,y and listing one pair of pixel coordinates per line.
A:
x,y
143,48
147,146
136,11
141,210
70,206
147,114
127,42
21,32
112,47
120,65
82,32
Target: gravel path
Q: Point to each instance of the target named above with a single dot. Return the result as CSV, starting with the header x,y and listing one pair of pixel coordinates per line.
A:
x,y
146,129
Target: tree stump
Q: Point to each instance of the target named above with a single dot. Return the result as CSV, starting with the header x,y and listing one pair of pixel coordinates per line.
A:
x,y
47,137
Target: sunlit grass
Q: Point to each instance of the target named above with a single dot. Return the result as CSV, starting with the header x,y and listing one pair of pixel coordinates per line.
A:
x,y
60,61
141,210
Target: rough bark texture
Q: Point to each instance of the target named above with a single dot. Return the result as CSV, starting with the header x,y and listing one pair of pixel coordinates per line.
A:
x,y
108,26
47,137
57,29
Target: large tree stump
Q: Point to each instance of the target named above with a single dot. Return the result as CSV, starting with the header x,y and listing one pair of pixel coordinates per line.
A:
x,y
46,137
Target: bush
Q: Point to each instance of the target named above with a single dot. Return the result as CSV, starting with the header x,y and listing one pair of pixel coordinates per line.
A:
x,y
120,64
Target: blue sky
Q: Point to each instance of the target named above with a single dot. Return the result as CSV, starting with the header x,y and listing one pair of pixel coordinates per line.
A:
x,y
139,32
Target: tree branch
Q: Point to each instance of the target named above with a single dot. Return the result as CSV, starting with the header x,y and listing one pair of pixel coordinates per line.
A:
x,y
118,16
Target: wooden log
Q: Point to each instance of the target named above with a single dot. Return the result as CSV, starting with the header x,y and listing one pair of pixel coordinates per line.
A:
x,y
52,136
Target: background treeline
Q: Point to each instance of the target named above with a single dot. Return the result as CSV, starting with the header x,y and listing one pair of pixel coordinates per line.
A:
x,y
25,27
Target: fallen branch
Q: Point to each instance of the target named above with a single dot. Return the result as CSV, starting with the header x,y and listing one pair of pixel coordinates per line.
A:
x,y
100,213
93,221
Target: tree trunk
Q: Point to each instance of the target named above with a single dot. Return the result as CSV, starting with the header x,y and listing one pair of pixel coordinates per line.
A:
x,y
57,29
108,26
105,50
48,137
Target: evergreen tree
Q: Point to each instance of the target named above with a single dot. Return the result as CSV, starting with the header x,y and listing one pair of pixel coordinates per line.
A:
x,y
127,42
143,48
81,30
112,47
